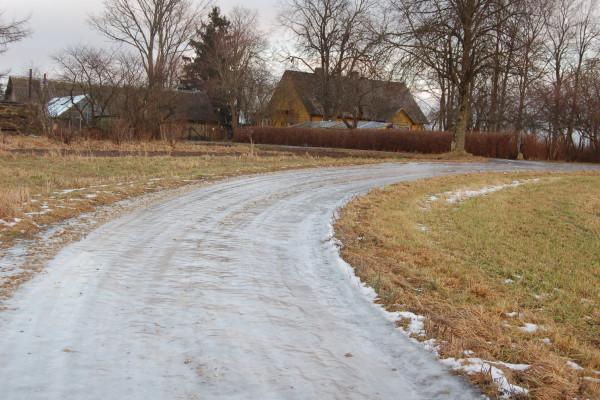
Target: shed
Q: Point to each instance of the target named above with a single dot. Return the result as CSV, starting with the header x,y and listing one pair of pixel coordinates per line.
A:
x,y
77,110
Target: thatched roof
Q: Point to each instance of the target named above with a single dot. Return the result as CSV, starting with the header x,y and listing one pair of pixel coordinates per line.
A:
x,y
17,90
193,106
377,100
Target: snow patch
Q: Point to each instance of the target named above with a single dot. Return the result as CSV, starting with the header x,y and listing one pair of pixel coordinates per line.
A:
x,y
431,345
530,328
575,366
416,325
462,195
476,365
15,222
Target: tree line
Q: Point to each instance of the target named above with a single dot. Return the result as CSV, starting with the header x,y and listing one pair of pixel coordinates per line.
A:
x,y
521,66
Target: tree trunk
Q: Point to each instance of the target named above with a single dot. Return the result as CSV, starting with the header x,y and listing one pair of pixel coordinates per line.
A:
x,y
460,131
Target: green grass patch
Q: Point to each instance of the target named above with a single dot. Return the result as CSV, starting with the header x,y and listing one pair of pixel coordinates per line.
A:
x,y
468,264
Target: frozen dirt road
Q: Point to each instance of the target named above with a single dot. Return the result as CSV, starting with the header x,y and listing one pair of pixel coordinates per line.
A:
x,y
232,291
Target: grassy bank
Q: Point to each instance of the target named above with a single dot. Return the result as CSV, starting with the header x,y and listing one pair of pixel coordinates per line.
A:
x,y
511,276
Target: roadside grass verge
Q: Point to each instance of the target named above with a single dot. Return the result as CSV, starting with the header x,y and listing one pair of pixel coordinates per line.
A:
x,y
511,276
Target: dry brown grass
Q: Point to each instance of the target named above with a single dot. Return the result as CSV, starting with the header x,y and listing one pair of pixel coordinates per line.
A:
x,y
11,201
451,263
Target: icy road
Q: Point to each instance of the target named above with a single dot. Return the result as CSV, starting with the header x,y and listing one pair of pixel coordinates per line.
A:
x,y
232,291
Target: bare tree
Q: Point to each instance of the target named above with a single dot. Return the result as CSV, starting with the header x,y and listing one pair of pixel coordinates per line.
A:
x,y
255,95
94,72
587,35
560,37
158,31
529,67
332,38
456,39
588,116
12,31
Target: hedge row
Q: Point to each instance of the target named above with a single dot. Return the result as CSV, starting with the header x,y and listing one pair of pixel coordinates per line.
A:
x,y
485,144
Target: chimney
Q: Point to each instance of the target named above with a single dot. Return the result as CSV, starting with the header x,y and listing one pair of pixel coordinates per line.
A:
x,y
30,83
44,80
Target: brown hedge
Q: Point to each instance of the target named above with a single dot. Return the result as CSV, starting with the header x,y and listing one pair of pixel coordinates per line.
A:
x,y
485,144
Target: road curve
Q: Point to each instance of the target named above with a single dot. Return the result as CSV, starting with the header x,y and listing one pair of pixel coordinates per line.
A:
x,y
232,291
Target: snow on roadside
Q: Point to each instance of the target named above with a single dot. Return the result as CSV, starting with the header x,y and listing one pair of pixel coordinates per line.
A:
x,y
417,327
15,222
461,195
476,365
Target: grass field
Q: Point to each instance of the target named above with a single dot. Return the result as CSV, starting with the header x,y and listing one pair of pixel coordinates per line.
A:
x,y
511,276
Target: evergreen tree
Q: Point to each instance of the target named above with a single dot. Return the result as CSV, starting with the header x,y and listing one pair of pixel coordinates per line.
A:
x,y
202,75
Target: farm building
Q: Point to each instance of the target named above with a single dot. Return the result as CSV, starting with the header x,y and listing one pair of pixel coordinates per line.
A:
x,y
194,108
27,90
297,99
13,116
78,111
67,101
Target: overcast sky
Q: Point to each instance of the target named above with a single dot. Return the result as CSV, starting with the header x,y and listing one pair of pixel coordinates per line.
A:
x,y
59,23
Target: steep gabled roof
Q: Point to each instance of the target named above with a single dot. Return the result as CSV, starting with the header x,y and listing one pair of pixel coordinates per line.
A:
x,y
193,106
377,100
17,89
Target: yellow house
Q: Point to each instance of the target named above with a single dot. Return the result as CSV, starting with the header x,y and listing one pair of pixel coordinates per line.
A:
x,y
296,100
